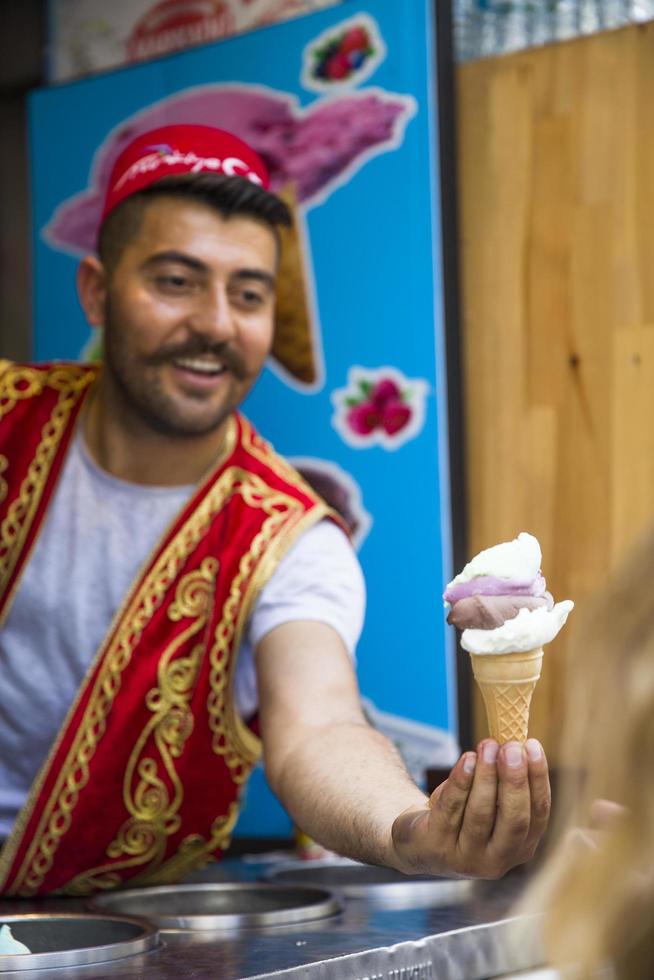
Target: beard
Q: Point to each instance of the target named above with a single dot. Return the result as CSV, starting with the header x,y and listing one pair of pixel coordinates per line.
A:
x,y
139,380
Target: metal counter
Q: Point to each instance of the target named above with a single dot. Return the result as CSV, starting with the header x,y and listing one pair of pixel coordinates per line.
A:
x,y
367,940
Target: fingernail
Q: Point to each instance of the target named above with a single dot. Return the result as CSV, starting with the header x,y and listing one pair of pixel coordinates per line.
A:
x,y
534,750
469,762
513,755
489,751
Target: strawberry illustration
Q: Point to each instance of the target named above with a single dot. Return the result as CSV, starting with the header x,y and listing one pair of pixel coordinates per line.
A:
x,y
363,418
356,39
383,391
337,67
395,415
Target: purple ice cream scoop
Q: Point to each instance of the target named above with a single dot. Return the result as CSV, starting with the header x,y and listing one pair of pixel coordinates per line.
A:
x,y
490,585
311,148
488,612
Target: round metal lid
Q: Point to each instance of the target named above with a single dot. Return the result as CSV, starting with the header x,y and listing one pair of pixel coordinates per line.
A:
x,y
232,905
383,885
67,939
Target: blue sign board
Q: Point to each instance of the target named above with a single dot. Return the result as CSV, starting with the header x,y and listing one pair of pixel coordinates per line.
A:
x,y
343,106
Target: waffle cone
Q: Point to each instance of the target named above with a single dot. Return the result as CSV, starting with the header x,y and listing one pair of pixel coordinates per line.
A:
x,y
507,682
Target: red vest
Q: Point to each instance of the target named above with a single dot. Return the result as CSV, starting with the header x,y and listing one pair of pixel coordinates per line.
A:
x,y
143,781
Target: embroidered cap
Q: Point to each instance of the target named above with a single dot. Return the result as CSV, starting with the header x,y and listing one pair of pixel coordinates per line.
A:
x,y
181,150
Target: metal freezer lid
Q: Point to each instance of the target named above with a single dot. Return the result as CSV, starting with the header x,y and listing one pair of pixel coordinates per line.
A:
x,y
62,939
224,905
379,885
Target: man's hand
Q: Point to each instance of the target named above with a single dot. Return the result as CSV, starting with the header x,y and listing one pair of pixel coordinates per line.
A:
x,y
487,817
344,783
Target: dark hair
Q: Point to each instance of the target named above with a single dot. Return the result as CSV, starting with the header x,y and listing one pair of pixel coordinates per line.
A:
x,y
228,196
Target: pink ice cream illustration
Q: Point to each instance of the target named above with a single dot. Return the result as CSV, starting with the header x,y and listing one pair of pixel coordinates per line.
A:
x,y
312,149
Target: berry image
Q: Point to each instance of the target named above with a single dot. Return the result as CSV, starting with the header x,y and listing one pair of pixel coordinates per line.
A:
x,y
383,391
342,55
337,67
379,407
356,39
395,415
363,418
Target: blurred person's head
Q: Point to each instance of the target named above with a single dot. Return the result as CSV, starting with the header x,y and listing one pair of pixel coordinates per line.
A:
x,y
597,888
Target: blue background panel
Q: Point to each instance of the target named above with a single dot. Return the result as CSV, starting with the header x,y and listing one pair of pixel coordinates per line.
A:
x,y
375,253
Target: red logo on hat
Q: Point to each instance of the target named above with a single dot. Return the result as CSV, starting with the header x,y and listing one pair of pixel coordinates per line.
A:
x,y
182,149
189,163
175,24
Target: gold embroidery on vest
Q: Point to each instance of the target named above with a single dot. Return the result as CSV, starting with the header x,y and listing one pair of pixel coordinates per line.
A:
x,y
137,610
4,463
135,613
25,383
278,506
21,382
144,835
153,811
194,852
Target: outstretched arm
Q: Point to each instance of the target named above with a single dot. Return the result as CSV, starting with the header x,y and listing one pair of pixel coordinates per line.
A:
x,y
345,784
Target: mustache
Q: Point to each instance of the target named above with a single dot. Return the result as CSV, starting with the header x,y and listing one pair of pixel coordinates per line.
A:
x,y
201,347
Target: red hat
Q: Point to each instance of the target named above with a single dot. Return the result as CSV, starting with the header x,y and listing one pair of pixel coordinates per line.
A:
x,y
181,150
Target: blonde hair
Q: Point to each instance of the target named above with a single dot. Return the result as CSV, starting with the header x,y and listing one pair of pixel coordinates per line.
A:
x,y
599,902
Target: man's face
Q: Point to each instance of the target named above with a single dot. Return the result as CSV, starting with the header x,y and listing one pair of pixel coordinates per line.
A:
x,y
189,315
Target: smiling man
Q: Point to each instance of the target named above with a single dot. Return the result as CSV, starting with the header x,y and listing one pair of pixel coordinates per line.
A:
x,y
188,323
175,598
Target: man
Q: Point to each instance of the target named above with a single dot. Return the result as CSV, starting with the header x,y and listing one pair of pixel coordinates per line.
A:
x,y
173,592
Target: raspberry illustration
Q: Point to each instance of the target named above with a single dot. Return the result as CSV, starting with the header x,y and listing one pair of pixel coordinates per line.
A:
x,y
363,418
384,390
395,415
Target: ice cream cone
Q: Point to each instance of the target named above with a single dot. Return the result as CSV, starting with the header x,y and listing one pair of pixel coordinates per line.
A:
x,y
294,342
507,682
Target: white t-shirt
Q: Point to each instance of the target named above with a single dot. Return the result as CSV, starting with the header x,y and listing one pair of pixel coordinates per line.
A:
x,y
98,532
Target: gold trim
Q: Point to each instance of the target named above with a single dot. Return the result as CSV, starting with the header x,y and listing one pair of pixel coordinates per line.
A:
x,y
261,449
24,383
58,378
250,744
153,813
244,738
11,845
241,753
232,739
74,773
4,487
194,852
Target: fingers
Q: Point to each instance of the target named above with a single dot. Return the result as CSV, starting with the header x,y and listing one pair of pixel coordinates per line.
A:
x,y
448,801
479,817
513,820
426,839
486,817
539,789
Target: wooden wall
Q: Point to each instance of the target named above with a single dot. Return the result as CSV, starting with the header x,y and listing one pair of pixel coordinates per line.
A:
x,y
556,165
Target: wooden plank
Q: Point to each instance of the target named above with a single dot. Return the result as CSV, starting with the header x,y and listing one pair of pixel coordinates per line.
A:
x,y
632,449
556,157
